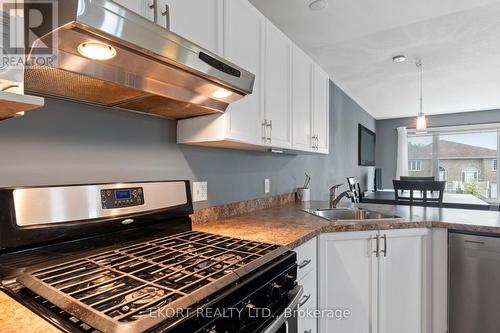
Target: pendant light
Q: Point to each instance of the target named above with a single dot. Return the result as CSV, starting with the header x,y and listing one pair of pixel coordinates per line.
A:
x,y
421,119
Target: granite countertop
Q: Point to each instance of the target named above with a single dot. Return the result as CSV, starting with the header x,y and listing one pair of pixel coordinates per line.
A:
x,y
16,318
289,225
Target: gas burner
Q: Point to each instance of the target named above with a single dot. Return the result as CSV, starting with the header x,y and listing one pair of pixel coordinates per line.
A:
x,y
96,283
144,296
135,282
135,300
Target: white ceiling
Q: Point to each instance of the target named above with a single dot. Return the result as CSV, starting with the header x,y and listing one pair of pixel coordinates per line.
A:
x,y
355,40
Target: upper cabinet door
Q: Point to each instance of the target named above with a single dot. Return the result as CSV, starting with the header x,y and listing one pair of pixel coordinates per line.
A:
x,y
198,21
321,110
140,7
278,86
244,46
301,100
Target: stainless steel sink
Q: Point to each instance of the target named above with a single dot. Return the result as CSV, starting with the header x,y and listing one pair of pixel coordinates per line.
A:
x,y
336,214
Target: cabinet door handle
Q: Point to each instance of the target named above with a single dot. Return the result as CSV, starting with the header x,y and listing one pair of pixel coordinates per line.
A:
x,y
154,7
166,13
304,263
314,141
377,247
384,251
308,331
304,300
264,130
317,141
270,126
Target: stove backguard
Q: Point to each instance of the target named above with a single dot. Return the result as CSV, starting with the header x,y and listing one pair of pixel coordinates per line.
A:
x,y
33,215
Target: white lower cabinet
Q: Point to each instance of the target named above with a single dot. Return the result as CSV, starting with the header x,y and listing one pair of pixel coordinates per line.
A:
x,y
307,276
375,281
307,323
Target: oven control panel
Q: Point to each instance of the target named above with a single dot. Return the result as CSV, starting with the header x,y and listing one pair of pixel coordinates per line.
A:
x,y
122,197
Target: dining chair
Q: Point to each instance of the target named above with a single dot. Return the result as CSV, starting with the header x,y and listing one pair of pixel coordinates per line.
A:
x,y
422,179
354,188
424,187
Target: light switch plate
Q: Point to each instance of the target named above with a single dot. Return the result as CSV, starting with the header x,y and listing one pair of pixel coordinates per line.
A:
x,y
267,185
200,191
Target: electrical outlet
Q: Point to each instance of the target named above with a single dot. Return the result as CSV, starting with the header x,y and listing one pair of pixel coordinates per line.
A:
x,y
267,185
200,191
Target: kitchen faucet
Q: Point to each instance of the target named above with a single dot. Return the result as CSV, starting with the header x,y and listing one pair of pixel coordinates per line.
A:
x,y
335,199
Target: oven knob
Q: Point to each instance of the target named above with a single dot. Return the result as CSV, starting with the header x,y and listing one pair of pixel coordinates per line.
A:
x,y
211,330
289,281
276,292
248,312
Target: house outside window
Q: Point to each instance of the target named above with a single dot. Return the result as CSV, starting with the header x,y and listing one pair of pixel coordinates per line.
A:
x,y
465,157
414,165
443,174
470,174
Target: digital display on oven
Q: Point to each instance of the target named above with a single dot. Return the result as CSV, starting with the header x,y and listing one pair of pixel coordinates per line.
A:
x,y
122,194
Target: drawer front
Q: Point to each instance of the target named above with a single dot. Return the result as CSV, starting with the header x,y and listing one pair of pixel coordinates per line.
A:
x,y
307,323
306,258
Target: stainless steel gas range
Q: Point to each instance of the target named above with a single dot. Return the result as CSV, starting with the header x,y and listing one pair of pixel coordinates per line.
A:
x,y
123,258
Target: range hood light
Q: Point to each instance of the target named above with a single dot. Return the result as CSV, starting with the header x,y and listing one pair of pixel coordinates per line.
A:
x,y
20,113
222,93
97,50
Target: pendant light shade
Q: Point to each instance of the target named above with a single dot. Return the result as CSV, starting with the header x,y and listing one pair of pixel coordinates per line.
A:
x,y
421,119
421,123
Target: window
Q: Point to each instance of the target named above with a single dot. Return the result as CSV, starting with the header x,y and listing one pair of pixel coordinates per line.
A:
x,y
470,174
443,174
414,165
420,156
465,157
468,158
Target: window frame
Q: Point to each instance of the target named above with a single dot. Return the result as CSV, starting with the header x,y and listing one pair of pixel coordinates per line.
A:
x,y
418,163
436,132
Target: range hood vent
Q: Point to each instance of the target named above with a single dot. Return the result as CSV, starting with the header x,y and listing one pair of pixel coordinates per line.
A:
x,y
153,70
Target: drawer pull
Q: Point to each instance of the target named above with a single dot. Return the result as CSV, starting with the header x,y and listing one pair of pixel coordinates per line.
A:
x,y
304,300
308,331
304,263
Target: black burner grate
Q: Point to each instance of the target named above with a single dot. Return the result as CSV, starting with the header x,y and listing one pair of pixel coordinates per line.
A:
x,y
125,285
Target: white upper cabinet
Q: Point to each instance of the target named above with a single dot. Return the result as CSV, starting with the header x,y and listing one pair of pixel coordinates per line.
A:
x,y
278,108
310,104
243,45
302,100
288,108
141,7
321,110
198,21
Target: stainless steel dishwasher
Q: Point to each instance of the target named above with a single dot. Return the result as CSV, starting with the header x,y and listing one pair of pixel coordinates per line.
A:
x,y
474,283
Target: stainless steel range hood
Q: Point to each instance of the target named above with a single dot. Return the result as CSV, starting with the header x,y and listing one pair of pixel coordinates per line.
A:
x,y
153,70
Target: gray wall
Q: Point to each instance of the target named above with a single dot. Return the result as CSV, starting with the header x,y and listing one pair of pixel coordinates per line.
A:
x,y
387,139
68,143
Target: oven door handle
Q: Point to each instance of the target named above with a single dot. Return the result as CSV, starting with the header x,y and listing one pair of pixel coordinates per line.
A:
x,y
282,318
